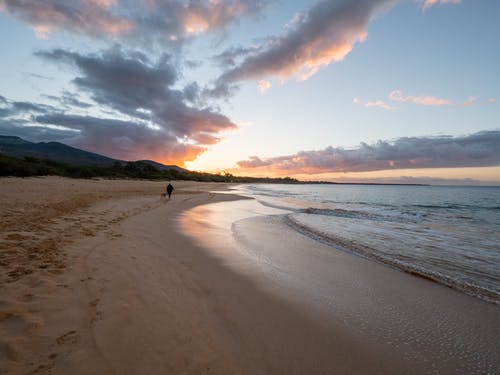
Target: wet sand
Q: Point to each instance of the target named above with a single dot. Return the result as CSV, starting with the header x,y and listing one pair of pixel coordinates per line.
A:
x,y
98,277
408,323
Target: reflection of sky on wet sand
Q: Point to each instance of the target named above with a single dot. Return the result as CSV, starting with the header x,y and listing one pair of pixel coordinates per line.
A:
x,y
380,307
211,225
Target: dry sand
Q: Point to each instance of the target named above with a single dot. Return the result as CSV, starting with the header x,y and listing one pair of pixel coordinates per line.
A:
x,y
97,279
49,300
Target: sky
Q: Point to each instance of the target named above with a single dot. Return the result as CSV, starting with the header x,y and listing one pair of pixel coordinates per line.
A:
x,y
338,90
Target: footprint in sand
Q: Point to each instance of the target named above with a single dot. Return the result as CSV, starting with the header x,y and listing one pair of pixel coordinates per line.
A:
x,y
97,314
68,337
29,297
17,324
10,350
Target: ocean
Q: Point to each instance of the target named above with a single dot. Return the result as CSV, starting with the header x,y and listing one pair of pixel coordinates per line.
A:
x,y
449,234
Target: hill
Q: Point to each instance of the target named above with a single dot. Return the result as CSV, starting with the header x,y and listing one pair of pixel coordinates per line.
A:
x,y
29,166
22,158
163,167
59,152
18,147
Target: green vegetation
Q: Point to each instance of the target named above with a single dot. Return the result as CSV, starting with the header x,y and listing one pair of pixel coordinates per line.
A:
x,y
29,166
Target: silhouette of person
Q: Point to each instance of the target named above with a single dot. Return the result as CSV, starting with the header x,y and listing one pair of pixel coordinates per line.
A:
x,y
170,189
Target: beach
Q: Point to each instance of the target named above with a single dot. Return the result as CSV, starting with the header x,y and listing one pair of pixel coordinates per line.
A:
x,y
106,276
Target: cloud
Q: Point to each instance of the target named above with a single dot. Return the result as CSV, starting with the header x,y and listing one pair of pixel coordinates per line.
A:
x,y
397,96
9,108
254,162
381,104
476,150
492,100
263,85
128,140
39,76
201,16
91,17
160,20
68,100
429,3
472,100
152,118
130,83
325,34
229,57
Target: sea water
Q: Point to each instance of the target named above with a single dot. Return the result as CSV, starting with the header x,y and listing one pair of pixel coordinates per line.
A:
x,y
448,234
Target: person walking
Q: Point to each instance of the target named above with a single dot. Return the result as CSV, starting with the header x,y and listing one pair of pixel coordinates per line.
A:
x,y
170,189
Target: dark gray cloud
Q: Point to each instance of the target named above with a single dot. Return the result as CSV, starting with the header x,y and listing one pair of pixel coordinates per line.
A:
x,y
126,81
229,57
152,118
325,34
128,140
35,133
147,20
10,108
68,100
131,84
476,150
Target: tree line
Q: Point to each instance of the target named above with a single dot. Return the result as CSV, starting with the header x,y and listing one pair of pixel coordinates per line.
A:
x,y
30,166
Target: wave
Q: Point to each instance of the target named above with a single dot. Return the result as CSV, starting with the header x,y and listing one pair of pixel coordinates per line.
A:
x,y
408,266
455,206
389,215
376,214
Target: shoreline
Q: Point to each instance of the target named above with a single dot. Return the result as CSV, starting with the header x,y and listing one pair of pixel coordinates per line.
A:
x,y
390,311
474,291
136,295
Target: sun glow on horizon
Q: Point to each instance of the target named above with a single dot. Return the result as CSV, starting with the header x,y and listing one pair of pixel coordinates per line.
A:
x,y
467,175
320,82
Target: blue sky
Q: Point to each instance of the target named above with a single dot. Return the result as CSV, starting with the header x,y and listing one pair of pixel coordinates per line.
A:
x,y
412,84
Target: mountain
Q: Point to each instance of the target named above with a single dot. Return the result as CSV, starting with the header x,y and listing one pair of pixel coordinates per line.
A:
x,y
163,167
12,141
18,147
55,151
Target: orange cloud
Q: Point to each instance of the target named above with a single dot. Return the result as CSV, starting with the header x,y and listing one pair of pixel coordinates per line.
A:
x,y
148,116
474,150
381,104
199,17
428,3
263,85
470,102
85,16
325,34
150,20
398,96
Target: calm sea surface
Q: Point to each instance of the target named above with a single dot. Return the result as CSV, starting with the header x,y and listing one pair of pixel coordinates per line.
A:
x,y
448,234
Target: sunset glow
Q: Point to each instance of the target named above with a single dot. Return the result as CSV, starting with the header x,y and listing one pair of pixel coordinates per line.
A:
x,y
334,90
